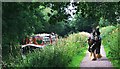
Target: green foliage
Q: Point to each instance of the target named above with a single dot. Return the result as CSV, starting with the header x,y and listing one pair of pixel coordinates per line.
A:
x,y
110,42
76,60
79,23
21,19
16,25
103,22
92,14
93,11
106,30
62,54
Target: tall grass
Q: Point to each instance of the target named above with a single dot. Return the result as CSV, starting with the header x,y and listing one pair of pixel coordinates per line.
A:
x,y
106,30
67,52
110,42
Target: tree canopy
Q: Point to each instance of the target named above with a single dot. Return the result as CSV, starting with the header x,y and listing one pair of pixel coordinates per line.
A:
x,y
21,19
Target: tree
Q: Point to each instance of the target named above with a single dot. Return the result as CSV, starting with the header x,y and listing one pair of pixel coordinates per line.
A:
x,y
94,11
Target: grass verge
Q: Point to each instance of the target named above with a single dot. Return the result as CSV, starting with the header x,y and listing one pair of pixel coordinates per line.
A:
x,y
77,59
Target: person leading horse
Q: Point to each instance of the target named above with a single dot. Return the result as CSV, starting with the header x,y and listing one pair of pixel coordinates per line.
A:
x,y
94,42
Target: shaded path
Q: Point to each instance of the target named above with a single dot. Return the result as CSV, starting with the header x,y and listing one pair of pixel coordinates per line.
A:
x,y
102,62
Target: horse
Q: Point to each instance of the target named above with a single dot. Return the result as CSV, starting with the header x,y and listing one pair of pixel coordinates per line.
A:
x,y
94,42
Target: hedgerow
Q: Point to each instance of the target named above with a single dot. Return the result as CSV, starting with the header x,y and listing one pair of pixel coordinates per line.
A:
x,y
60,54
111,44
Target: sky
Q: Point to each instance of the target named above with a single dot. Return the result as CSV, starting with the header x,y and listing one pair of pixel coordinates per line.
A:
x,y
71,9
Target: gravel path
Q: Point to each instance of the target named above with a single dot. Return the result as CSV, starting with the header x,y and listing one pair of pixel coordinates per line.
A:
x,y
99,63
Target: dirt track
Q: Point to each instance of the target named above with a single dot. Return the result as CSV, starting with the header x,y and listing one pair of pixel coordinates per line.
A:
x,y
102,63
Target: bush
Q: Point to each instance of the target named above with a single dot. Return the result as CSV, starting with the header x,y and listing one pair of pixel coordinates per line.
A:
x,y
103,22
106,30
57,55
110,42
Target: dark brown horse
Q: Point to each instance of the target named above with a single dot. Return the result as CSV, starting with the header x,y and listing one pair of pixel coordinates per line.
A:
x,y
94,43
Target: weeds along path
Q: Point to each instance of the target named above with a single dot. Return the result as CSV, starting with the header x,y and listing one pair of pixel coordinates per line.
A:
x,y
102,62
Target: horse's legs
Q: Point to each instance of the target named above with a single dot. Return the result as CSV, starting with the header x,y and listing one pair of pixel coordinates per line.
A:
x,y
90,54
93,57
91,50
93,53
98,55
98,47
